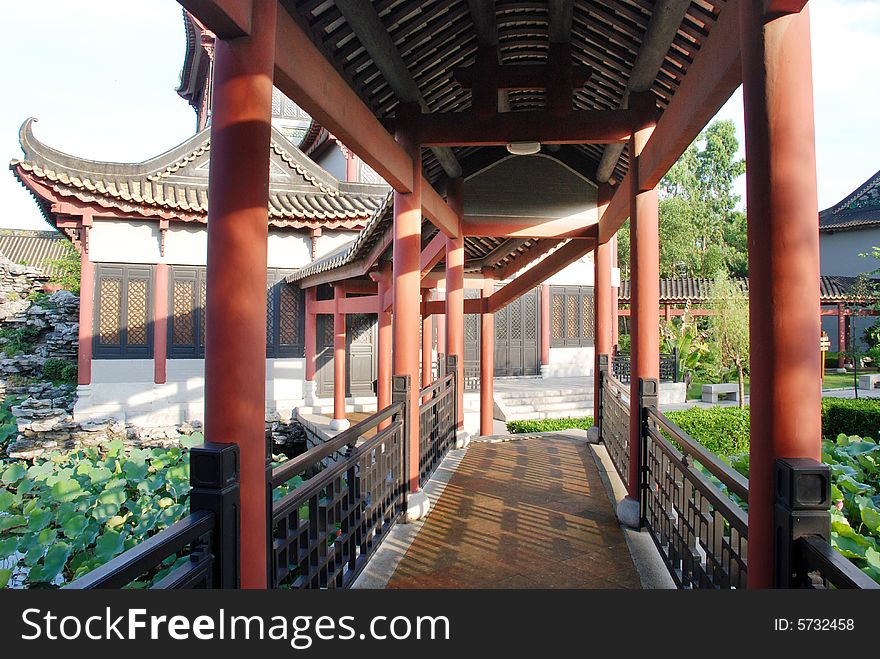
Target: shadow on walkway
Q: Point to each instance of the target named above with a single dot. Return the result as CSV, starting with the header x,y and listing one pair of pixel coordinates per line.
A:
x,y
526,513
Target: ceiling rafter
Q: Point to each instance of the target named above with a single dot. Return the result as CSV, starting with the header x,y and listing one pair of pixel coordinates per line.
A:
x,y
369,29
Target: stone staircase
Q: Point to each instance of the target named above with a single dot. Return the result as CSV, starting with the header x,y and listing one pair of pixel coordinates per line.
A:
x,y
543,402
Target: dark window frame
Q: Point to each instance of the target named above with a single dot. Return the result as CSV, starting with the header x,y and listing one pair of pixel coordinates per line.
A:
x,y
194,349
584,336
125,273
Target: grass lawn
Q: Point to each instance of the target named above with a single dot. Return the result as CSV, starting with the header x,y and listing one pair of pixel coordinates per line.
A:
x,y
840,381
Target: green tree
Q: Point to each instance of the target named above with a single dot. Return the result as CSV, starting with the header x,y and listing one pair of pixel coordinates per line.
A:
x,y
67,269
729,327
701,231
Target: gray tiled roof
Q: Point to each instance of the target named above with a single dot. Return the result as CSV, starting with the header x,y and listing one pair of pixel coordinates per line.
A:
x,y
33,248
860,208
175,183
832,288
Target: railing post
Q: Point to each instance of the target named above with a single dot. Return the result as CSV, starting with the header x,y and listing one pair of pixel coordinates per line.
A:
x,y
649,389
803,497
452,367
213,475
601,373
400,385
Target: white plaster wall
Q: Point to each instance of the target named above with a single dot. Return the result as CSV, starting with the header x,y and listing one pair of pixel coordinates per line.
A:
x,y
289,250
330,240
570,362
186,245
839,251
124,241
125,390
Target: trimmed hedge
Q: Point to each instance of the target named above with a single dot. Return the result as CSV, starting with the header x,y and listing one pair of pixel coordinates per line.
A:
x,y
722,430
725,430
850,417
548,425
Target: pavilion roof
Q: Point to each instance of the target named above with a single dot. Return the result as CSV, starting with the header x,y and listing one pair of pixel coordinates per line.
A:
x,y
174,185
859,209
434,37
832,289
479,251
34,248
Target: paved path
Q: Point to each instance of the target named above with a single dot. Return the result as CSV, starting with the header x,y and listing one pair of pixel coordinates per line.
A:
x,y
520,514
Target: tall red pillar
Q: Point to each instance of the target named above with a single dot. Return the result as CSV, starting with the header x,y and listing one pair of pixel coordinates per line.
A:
x,y
545,328
86,311
601,299
310,335
383,369
615,293
645,300
339,421
455,293
841,336
235,342
160,324
427,342
407,294
487,359
783,238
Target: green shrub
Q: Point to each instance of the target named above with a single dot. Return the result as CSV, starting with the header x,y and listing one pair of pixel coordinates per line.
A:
x,y
59,371
850,417
39,298
722,430
8,423
548,425
19,340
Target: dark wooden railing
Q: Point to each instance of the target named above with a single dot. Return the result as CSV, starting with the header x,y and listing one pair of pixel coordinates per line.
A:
x,y
325,529
208,536
694,505
700,531
620,366
437,421
613,421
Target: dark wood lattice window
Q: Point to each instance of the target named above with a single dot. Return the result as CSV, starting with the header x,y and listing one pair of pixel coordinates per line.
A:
x,y
285,317
186,303
123,321
571,316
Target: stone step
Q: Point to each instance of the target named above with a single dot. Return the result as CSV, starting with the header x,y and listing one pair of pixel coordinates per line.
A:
x,y
548,407
541,391
542,399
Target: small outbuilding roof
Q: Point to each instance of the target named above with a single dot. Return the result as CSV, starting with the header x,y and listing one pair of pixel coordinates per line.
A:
x,y
859,209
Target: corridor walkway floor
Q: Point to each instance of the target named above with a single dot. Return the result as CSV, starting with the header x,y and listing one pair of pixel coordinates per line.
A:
x,y
525,513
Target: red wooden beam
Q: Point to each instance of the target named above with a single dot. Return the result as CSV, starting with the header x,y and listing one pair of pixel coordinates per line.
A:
x,y
438,307
362,304
781,7
583,127
438,212
575,226
304,75
227,19
561,258
712,77
433,253
530,255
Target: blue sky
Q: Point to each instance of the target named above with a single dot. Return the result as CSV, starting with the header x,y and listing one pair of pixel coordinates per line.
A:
x,y
100,76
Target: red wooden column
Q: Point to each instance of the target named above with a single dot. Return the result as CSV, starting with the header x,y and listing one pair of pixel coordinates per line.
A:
x,y
601,299
160,324
407,251
86,307
427,341
487,359
455,293
645,300
841,336
238,195
783,236
383,376
545,328
615,291
310,339
339,421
